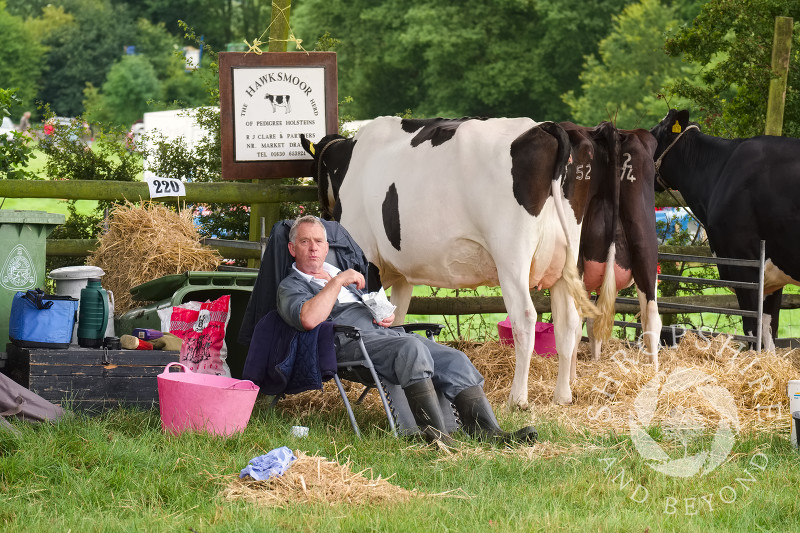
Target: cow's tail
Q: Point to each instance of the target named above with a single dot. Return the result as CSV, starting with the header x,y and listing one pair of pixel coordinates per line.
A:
x,y
570,272
607,294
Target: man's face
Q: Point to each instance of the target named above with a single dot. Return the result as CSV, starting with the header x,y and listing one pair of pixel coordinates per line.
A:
x,y
310,248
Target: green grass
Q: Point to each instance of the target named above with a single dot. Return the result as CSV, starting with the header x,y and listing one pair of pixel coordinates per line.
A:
x,y
50,205
47,204
118,472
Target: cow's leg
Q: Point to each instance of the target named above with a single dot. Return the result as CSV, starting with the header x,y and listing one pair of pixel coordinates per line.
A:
x,y
748,298
595,345
772,310
748,301
651,326
401,297
573,369
565,321
522,314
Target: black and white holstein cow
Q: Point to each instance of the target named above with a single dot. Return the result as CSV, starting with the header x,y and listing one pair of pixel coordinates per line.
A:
x,y
618,231
743,191
463,203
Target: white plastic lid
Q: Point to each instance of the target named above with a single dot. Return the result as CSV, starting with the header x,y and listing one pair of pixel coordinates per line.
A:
x,y
77,272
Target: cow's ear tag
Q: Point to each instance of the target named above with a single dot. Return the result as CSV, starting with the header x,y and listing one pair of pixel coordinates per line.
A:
x,y
311,148
676,128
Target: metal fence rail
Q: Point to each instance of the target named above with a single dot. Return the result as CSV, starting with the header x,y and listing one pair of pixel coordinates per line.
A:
x,y
759,286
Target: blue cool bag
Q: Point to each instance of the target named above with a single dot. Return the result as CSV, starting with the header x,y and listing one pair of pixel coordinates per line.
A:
x,y
40,320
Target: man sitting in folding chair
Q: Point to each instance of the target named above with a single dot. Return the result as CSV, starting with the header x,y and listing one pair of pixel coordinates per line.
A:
x,y
316,291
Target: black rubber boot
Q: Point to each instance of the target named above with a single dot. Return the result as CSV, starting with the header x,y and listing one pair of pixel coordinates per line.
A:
x,y
478,420
424,405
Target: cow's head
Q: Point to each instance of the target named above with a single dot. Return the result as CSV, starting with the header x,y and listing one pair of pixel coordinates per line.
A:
x,y
331,160
667,133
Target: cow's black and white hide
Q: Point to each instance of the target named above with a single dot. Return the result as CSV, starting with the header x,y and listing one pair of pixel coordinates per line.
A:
x,y
464,203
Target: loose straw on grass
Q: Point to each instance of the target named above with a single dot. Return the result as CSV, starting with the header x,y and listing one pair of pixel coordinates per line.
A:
x,y
314,479
605,391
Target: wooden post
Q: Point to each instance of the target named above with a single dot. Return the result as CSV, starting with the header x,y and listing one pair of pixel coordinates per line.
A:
x,y
278,34
781,49
279,25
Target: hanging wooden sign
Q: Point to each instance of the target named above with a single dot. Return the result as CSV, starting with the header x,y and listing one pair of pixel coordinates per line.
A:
x,y
266,101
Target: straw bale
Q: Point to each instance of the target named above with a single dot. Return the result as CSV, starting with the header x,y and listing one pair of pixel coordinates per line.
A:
x,y
144,243
747,388
315,479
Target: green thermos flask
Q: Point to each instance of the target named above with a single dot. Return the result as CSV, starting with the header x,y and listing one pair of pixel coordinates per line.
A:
x,y
92,314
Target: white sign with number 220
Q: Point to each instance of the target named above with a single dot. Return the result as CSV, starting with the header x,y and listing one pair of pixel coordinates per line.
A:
x,y
160,187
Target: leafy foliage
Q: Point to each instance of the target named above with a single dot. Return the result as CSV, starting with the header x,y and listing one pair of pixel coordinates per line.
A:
x,y
457,58
69,155
15,151
154,78
21,63
623,83
130,84
83,51
731,40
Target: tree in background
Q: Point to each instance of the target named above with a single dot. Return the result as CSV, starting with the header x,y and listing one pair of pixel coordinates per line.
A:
x,y
130,84
509,58
632,69
15,151
153,78
83,51
572,30
218,21
21,64
27,8
731,41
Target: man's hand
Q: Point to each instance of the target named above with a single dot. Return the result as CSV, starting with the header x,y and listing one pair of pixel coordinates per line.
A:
x,y
386,322
318,308
350,276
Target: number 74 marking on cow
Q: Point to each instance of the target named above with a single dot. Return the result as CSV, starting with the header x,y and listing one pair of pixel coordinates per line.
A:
x,y
627,168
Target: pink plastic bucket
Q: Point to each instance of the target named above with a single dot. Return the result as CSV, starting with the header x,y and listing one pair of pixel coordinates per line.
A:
x,y
203,402
545,344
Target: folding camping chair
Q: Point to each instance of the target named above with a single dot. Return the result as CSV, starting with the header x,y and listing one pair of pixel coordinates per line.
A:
x,y
344,253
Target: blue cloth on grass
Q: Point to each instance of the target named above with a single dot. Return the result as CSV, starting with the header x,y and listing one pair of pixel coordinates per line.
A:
x,y
274,463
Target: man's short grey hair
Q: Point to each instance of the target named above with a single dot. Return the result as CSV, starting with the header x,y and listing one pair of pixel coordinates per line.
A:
x,y
307,219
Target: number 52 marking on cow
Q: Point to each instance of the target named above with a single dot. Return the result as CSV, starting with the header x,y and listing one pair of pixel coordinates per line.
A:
x,y
627,168
580,174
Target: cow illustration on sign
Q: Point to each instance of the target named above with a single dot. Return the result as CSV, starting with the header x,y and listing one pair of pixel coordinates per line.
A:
x,y
279,100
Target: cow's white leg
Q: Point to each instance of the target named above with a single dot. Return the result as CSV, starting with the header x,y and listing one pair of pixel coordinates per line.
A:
x,y
522,314
565,321
573,369
401,297
651,327
767,342
595,345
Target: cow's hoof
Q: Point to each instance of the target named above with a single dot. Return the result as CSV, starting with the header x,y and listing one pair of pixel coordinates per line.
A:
x,y
562,399
517,406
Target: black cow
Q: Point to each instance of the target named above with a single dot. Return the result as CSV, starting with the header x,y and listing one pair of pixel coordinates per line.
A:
x,y
743,191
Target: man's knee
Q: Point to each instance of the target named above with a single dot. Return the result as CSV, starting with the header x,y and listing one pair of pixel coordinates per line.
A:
x,y
410,348
413,360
